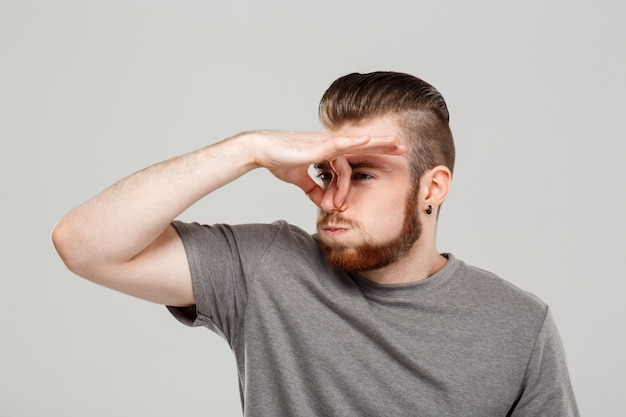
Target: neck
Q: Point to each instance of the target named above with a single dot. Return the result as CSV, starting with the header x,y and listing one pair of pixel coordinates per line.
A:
x,y
421,262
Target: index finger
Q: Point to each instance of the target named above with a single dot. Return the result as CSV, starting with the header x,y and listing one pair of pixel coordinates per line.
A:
x,y
389,145
343,174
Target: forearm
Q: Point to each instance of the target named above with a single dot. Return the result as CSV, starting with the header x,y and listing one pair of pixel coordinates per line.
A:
x,y
120,232
120,222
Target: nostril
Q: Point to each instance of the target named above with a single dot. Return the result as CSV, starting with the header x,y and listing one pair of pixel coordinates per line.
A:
x,y
328,203
328,206
328,200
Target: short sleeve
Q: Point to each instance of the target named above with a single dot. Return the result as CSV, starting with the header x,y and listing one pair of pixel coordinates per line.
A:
x,y
547,389
222,260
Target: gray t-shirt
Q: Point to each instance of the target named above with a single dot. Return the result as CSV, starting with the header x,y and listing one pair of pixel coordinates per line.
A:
x,y
311,340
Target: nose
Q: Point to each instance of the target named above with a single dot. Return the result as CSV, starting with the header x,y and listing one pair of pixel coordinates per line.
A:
x,y
336,194
328,200
328,203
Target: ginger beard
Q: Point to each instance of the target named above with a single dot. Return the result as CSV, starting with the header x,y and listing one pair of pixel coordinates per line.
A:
x,y
370,255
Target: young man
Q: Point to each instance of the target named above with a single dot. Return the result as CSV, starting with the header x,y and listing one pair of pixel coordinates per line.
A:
x,y
365,318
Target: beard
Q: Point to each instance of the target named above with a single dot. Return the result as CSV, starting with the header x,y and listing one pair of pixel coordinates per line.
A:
x,y
370,255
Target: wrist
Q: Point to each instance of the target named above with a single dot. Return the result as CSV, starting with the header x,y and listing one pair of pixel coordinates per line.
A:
x,y
251,147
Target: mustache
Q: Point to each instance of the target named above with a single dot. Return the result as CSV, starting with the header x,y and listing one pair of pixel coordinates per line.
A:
x,y
336,220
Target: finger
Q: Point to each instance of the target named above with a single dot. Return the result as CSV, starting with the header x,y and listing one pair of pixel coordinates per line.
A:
x,y
316,195
343,175
369,144
312,190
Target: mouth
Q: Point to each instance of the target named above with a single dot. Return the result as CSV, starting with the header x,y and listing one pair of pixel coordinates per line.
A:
x,y
335,226
332,227
334,230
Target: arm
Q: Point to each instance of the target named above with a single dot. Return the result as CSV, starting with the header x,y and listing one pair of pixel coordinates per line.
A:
x,y
122,238
547,389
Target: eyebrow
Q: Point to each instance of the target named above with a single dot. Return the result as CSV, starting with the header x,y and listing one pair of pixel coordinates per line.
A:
x,y
354,165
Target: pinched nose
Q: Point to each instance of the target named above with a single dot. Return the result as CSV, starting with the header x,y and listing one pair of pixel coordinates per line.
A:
x,y
329,202
336,194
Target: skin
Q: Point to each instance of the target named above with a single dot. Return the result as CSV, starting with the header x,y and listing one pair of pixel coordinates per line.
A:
x,y
375,192
122,237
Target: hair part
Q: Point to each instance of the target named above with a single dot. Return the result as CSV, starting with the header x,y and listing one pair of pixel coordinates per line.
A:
x,y
422,113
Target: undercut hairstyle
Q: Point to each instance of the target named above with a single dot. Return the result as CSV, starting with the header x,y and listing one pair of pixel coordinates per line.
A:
x,y
421,110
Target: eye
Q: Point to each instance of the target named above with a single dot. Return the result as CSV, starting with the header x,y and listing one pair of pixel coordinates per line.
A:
x,y
361,176
325,176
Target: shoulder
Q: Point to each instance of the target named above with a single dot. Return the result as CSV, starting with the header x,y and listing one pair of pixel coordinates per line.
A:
x,y
494,293
265,235
495,283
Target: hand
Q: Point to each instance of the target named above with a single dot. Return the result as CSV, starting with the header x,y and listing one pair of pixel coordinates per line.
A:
x,y
288,155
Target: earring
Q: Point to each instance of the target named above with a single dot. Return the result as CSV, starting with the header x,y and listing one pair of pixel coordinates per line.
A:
x,y
429,210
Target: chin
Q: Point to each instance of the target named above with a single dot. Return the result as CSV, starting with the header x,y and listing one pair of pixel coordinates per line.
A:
x,y
361,258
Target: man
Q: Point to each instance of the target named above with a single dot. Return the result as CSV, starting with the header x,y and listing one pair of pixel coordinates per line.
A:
x,y
365,318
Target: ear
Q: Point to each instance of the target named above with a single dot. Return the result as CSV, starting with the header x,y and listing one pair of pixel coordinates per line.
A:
x,y
434,186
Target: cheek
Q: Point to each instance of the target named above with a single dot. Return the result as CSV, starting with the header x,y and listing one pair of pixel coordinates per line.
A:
x,y
386,217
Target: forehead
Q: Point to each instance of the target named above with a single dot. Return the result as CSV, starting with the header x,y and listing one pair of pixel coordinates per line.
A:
x,y
385,125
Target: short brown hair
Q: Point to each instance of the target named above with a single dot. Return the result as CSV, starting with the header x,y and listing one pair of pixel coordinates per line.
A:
x,y
422,112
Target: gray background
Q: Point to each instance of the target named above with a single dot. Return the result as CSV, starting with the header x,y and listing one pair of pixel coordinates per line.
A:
x,y
92,91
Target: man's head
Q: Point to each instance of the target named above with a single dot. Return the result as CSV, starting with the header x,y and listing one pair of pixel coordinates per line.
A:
x,y
420,108
382,223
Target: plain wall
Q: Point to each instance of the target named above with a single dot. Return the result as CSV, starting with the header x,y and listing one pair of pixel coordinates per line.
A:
x,y
93,91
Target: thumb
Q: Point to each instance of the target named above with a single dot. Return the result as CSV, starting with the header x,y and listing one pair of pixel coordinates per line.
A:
x,y
312,190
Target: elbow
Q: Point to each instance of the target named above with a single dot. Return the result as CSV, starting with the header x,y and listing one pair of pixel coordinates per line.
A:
x,y
66,243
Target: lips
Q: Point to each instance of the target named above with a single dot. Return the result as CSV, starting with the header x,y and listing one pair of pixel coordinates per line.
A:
x,y
334,231
335,227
